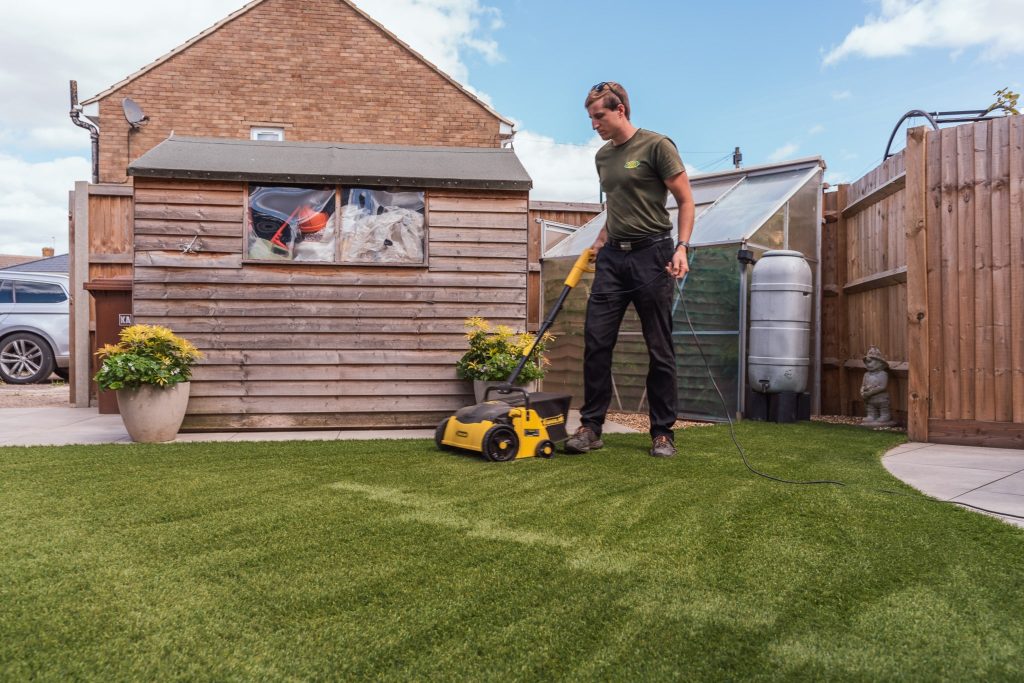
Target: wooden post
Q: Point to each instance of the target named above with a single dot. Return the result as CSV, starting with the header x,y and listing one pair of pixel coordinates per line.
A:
x,y
842,312
79,323
917,286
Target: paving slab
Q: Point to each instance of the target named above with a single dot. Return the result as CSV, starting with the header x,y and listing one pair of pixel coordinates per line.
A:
x,y
941,482
950,456
62,426
1007,503
1012,484
991,478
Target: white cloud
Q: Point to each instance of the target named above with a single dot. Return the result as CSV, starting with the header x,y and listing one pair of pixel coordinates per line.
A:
x,y
441,30
904,25
836,177
816,129
560,172
34,203
785,152
840,95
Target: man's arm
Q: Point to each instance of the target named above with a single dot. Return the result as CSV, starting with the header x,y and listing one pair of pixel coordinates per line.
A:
x,y
679,186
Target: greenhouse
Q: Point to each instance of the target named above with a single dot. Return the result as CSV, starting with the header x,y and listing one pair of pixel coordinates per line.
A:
x,y
754,209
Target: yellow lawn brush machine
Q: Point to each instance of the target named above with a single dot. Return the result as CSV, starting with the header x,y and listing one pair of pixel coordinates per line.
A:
x,y
518,424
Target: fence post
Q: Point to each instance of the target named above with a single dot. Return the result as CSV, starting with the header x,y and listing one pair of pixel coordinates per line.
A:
x,y
917,286
842,314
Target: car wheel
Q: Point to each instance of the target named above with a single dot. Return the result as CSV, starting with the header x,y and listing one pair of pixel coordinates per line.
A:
x,y
25,358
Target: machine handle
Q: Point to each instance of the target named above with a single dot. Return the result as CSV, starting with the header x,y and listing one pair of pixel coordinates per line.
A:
x,y
584,264
508,389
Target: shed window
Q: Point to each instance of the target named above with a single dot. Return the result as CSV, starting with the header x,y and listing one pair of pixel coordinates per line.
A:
x,y
378,226
291,223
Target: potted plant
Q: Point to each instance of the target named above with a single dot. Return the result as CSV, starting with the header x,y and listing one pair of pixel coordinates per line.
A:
x,y
150,369
494,353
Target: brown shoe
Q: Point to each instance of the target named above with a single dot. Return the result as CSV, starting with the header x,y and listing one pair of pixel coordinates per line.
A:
x,y
663,447
583,441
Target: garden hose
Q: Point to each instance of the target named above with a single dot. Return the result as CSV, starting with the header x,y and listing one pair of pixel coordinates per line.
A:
x,y
679,284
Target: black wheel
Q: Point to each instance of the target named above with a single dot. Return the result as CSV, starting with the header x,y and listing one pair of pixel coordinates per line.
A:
x,y
545,449
439,435
63,373
25,358
501,444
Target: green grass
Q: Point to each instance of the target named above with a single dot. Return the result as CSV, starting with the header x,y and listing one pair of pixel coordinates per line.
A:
x,y
389,560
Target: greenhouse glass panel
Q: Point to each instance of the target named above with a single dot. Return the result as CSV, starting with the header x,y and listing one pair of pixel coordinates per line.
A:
x,y
574,244
741,211
803,219
697,396
772,235
711,294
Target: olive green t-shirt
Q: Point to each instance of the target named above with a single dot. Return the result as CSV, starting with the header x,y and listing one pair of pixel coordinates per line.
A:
x,y
633,178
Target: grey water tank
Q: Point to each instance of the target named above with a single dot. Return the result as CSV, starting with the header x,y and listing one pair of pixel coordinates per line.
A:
x,y
780,323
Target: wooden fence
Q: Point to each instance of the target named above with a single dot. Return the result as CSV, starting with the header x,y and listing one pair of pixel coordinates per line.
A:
x,y
101,248
925,259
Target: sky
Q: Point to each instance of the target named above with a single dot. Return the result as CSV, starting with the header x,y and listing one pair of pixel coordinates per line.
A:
x,y
781,80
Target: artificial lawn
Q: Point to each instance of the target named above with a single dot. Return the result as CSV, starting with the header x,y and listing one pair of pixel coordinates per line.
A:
x,y
390,560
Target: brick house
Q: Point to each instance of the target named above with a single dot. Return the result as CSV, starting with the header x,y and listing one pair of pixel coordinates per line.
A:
x,y
266,67
299,339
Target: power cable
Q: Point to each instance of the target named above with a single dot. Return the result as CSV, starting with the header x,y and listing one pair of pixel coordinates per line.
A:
x,y
680,285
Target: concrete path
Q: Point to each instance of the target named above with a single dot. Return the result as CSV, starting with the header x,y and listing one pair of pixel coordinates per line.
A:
x,y
990,478
62,426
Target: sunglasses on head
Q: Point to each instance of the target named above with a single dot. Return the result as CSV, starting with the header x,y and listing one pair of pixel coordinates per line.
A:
x,y
605,84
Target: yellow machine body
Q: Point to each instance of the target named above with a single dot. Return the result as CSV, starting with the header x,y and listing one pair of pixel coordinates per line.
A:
x,y
504,430
493,437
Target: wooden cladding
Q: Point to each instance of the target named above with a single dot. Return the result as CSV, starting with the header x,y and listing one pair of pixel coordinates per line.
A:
x,y
326,345
934,275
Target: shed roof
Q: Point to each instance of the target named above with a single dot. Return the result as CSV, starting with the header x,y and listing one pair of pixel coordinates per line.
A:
x,y
475,168
730,206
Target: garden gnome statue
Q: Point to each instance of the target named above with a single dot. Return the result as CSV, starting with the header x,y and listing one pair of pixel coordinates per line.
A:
x,y
875,390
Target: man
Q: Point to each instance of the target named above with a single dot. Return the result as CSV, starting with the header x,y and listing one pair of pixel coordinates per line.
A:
x,y
637,168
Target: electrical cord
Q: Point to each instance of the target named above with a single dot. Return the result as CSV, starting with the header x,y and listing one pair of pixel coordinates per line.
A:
x,y
732,431
739,448
679,284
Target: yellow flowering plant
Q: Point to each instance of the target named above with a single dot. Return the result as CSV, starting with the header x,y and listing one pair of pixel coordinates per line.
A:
x,y
146,354
495,351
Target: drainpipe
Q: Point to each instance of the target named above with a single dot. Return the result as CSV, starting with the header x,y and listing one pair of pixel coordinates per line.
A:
x,y
94,132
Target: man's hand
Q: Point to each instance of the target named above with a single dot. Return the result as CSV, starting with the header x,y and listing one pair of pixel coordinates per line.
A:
x,y
679,266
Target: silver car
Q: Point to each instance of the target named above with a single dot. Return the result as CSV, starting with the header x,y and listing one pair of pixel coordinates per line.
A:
x,y
33,327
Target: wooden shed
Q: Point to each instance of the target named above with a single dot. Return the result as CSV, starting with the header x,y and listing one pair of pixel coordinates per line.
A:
x,y
327,283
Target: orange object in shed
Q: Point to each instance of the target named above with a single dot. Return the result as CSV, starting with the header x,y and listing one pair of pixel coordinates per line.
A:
x,y
311,221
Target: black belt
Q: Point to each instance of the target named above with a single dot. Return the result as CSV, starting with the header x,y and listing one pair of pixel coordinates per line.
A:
x,y
638,243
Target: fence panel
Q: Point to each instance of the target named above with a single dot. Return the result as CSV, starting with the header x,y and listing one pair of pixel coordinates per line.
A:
x,y
935,277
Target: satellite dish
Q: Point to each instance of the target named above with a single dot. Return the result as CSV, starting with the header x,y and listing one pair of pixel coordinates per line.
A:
x,y
133,113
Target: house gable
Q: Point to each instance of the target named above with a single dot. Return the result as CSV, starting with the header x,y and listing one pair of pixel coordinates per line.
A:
x,y
322,70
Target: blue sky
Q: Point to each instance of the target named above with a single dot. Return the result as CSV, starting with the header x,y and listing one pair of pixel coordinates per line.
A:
x,y
781,80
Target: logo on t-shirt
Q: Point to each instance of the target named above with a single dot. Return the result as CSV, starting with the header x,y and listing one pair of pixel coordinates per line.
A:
x,y
632,164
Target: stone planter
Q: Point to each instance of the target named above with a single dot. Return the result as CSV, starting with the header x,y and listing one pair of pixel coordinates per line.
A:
x,y
152,414
480,386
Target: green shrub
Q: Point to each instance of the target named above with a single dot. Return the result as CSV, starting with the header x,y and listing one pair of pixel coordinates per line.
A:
x,y
494,353
146,354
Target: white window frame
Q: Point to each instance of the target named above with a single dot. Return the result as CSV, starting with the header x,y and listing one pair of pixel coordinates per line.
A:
x,y
256,131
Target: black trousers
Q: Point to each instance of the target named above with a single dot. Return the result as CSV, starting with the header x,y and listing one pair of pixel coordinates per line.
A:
x,y
635,277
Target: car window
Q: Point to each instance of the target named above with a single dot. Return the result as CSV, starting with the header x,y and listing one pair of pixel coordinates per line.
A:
x,y
6,292
38,293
